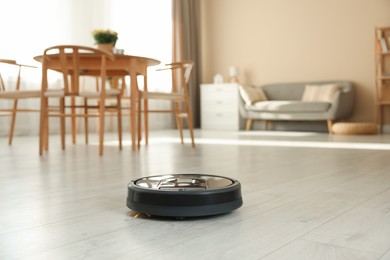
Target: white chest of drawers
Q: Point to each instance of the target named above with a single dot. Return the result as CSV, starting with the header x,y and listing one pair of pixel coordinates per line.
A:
x,y
220,107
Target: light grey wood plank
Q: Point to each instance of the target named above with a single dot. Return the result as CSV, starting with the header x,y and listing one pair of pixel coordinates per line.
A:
x,y
309,250
386,256
138,241
364,227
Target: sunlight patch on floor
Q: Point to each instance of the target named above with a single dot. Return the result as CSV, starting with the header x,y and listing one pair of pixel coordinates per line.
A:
x,y
275,133
274,143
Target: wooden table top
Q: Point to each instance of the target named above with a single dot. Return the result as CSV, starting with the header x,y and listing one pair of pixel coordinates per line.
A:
x,y
121,65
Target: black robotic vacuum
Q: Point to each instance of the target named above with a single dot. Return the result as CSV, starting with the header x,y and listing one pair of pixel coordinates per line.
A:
x,y
184,195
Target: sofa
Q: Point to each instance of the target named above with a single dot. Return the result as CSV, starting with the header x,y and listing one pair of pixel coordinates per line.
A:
x,y
328,101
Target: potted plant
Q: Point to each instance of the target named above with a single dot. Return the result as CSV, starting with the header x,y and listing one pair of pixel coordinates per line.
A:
x,y
105,39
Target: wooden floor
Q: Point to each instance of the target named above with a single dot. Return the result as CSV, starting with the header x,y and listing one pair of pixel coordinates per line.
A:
x,y
306,196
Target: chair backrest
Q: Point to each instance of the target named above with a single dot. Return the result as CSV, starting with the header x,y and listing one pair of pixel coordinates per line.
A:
x,y
181,72
2,86
12,63
66,60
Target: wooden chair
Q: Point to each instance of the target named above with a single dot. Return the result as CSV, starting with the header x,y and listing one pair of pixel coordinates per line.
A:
x,y
15,95
115,82
66,59
181,72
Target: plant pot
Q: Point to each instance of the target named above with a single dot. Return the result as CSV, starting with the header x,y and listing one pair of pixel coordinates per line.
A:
x,y
105,47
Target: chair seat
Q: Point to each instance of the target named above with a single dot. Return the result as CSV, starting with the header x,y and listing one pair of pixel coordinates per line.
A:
x,y
85,94
54,93
94,94
18,94
166,96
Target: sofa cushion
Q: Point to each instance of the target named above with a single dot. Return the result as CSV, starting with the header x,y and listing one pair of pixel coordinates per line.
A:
x,y
320,93
251,94
289,106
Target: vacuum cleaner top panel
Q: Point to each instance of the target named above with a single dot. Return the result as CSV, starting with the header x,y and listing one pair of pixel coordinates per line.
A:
x,y
184,182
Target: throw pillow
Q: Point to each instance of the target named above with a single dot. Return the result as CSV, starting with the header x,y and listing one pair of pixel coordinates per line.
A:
x,y
320,93
251,94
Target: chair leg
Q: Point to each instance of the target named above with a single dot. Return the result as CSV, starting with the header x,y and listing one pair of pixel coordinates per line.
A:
x,y
189,120
179,122
101,125
62,122
191,128
139,125
13,119
42,126
146,121
47,129
46,126
119,122
73,119
86,120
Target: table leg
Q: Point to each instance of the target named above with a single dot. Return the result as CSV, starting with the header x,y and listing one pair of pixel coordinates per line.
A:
x,y
73,118
146,109
133,107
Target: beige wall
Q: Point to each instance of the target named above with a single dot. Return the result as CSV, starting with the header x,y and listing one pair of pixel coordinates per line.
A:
x,y
299,40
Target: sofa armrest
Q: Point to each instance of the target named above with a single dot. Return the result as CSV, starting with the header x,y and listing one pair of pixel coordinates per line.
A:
x,y
343,102
242,109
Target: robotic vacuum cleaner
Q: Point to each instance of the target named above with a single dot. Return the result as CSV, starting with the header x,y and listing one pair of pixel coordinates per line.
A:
x,y
184,195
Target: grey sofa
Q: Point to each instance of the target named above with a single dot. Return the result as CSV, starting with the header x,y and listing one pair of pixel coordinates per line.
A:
x,y
284,103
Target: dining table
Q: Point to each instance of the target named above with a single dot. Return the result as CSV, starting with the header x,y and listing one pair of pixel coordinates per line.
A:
x,y
122,65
